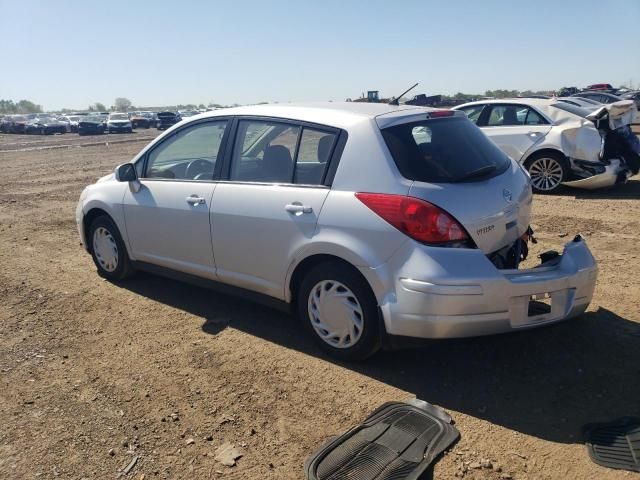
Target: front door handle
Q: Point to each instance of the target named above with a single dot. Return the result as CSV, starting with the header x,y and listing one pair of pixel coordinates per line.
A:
x,y
298,208
195,200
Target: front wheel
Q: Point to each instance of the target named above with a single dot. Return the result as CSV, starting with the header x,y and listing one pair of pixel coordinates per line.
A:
x,y
339,309
547,171
108,250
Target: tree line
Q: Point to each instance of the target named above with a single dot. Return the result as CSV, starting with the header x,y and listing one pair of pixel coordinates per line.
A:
x,y
23,106
120,104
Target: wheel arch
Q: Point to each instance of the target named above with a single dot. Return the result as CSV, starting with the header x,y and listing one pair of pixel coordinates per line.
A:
x,y
307,264
88,219
544,150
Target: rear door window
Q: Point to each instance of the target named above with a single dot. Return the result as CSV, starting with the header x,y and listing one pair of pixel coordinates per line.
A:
x,y
534,118
264,151
274,152
473,112
444,150
506,115
313,156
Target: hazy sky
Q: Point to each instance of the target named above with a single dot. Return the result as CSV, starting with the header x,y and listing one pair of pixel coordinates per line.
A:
x,y
74,53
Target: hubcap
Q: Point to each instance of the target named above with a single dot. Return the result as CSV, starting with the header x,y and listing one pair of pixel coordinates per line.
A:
x,y
105,249
335,314
546,173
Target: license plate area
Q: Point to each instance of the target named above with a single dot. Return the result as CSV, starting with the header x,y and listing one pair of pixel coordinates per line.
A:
x,y
539,304
538,308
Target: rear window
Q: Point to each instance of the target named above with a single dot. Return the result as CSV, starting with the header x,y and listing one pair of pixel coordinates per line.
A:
x,y
568,107
444,150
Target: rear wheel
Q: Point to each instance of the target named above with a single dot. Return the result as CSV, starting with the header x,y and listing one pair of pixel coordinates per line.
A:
x,y
547,170
339,309
108,250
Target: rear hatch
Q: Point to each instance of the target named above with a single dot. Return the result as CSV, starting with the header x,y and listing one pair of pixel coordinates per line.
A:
x,y
455,167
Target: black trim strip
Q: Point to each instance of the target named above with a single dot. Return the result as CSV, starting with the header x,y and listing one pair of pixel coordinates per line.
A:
x,y
220,287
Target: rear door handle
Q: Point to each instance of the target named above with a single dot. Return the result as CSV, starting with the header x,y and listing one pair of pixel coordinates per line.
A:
x,y
298,208
195,200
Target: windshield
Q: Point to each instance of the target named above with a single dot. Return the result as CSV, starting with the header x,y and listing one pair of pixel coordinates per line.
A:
x,y
567,107
118,116
444,150
92,118
74,118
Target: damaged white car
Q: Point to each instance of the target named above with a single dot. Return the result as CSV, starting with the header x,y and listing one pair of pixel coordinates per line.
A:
x,y
562,144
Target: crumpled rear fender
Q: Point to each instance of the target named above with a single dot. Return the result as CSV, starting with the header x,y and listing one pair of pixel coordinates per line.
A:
x,y
581,140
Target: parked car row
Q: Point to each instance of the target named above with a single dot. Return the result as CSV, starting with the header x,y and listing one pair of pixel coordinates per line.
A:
x,y
89,123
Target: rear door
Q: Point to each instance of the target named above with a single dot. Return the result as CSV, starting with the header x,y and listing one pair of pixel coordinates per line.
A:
x,y
167,219
270,203
514,128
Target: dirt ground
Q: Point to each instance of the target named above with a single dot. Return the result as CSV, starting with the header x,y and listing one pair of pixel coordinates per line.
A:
x,y
95,375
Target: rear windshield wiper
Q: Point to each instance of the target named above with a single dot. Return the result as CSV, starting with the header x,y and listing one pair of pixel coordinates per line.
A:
x,y
480,172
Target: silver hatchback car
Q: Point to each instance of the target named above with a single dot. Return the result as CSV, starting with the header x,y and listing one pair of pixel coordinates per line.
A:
x,y
371,220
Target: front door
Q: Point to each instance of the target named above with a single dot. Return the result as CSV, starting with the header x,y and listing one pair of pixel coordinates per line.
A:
x,y
269,207
167,219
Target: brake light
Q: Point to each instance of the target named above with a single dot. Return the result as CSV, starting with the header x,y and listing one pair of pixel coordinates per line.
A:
x,y
441,113
420,220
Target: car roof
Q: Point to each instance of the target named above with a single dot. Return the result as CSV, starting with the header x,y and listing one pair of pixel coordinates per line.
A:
x,y
539,102
336,114
595,92
557,115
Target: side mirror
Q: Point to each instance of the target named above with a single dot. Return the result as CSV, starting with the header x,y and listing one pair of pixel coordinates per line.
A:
x,y
126,173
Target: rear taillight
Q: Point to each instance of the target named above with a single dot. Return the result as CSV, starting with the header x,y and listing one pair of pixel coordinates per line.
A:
x,y
441,113
416,218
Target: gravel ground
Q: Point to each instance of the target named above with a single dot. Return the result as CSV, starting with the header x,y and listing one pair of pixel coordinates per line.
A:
x,y
155,375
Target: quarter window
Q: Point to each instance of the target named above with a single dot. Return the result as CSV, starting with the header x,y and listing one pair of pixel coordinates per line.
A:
x,y
190,154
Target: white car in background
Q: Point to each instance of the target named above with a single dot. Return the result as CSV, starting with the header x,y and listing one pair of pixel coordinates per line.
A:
x,y
557,142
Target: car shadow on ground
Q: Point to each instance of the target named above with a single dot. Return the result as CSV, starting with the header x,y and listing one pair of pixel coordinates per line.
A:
x,y
547,382
629,190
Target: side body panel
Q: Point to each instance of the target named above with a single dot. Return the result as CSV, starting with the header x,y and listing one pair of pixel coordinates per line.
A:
x,y
166,228
255,236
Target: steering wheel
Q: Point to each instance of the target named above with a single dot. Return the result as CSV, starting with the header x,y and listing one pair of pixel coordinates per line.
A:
x,y
197,167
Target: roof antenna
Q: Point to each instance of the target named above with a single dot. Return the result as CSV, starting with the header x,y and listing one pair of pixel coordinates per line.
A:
x,y
394,100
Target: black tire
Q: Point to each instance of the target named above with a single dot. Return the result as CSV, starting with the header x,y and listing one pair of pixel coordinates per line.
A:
x,y
547,186
124,268
370,339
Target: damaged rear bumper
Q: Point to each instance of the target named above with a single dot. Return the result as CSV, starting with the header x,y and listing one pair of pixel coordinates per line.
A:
x,y
613,173
473,298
